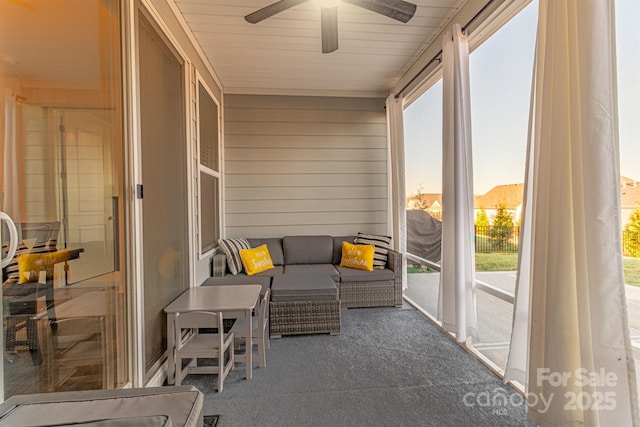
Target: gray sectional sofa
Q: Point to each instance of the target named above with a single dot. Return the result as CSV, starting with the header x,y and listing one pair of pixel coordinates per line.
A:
x,y
321,255
314,256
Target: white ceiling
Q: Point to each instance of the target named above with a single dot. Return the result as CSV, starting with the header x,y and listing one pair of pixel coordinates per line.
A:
x,y
282,54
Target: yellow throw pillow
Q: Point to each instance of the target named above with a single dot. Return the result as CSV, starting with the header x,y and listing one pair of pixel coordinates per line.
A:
x,y
30,265
357,256
256,260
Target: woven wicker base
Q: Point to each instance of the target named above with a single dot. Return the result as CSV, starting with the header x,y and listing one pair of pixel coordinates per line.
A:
x,y
304,317
370,294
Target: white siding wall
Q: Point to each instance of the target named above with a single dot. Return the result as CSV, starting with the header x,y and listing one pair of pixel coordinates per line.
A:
x,y
304,165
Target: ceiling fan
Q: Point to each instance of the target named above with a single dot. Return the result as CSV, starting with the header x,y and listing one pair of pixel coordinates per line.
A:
x,y
399,10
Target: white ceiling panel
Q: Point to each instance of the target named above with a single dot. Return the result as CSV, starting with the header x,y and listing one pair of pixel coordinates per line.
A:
x,y
282,54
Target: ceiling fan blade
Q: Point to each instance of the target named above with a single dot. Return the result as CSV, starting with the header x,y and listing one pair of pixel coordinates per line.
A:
x,y
329,29
399,10
272,9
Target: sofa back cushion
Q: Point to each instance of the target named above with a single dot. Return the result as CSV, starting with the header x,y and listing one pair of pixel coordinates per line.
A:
x,y
337,247
307,249
274,244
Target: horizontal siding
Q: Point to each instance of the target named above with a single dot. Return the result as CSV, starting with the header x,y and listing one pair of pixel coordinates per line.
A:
x,y
309,141
305,154
259,219
260,167
313,205
306,180
307,229
306,193
304,128
288,115
269,102
304,165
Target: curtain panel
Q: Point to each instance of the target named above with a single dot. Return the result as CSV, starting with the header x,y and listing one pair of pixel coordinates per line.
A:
x,y
457,299
10,201
570,343
397,218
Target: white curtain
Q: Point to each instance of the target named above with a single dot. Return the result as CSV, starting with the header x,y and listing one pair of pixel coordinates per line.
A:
x,y
457,301
397,222
10,176
570,320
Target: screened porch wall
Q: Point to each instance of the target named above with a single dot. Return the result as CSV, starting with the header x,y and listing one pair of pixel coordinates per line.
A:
x,y
304,165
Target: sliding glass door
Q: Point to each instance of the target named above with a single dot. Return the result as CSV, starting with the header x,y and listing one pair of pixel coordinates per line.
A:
x,y
164,180
61,183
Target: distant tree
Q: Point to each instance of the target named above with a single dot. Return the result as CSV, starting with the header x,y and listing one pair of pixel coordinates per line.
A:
x,y
417,203
482,221
502,227
631,235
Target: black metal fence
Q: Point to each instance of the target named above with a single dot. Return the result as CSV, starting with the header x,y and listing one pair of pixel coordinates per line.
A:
x,y
492,238
505,239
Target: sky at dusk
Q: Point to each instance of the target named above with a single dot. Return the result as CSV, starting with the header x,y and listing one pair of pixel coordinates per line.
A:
x,y
500,72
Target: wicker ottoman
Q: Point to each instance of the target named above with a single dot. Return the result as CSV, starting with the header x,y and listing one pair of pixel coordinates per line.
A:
x,y
304,304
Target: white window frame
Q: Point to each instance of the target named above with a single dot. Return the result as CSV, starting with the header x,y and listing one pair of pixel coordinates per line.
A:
x,y
200,168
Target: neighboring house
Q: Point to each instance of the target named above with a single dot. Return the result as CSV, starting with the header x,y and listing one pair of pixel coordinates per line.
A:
x,y
430,203
510,195
629,198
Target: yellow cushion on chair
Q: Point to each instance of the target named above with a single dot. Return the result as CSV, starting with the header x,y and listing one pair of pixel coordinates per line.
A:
x,y
357,256
256,260
30,265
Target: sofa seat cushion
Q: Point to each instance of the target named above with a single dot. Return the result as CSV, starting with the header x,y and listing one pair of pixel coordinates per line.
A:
x,y
277,270
263,279
307,287
352,275
311,269
274,244
307,249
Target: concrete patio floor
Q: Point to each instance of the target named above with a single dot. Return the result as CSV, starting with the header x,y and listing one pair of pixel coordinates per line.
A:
x,y
495,315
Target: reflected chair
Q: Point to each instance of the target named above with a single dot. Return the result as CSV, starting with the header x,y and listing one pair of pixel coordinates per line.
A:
x,y
74,353
20,300
260,325
21,294
193,345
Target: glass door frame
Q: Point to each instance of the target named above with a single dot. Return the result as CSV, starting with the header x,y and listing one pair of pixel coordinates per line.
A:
x,y
139,375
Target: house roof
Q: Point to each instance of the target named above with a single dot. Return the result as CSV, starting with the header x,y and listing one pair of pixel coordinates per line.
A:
x,y
427,199
510,195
